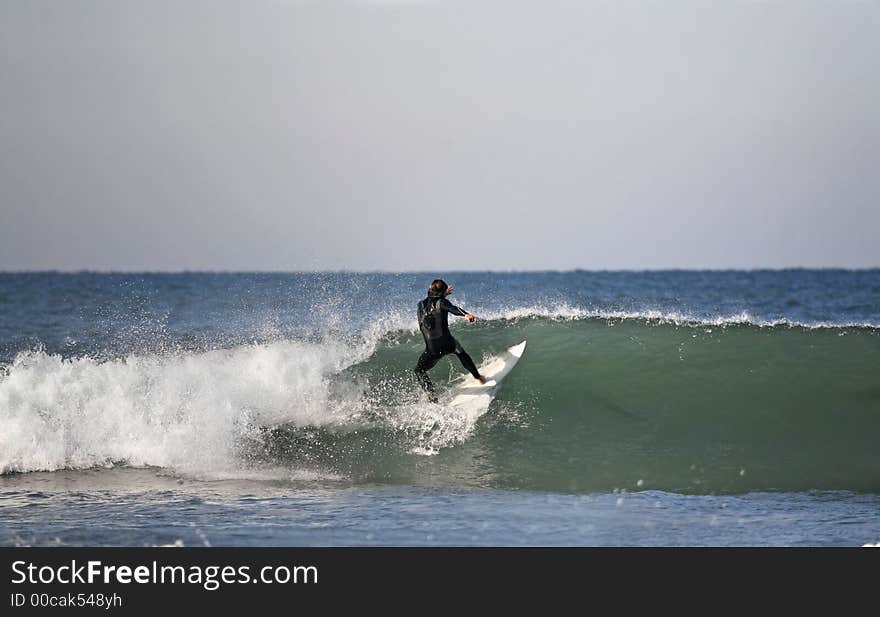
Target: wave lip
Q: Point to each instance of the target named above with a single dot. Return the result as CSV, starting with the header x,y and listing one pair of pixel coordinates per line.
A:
x,y
568,312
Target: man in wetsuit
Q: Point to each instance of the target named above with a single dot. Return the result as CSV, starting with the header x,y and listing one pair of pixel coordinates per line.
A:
x,y
433,322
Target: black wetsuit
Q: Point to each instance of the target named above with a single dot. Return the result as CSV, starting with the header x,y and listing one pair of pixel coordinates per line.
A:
x,y
434,324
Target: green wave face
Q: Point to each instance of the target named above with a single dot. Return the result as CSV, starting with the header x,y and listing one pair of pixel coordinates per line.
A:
x,y
601,405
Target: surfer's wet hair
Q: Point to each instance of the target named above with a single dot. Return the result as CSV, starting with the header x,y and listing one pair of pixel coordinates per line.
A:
x,y
437,287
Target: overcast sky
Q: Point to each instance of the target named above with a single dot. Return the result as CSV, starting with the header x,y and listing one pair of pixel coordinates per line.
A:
x,y
472,135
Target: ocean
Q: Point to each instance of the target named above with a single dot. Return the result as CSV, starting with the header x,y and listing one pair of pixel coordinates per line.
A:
x,y
656,408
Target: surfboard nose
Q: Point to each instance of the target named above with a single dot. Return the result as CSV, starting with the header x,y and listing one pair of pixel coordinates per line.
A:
x,y
517,350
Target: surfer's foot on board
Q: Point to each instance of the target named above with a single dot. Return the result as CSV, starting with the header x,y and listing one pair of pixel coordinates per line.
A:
x,y
482,380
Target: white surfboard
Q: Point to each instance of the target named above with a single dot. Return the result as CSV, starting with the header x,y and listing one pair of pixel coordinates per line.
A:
x,y
473,398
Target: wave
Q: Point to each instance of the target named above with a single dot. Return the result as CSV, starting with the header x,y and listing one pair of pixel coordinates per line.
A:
x,y
599,402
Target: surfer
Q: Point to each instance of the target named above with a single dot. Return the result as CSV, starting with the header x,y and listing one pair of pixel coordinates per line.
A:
x,y
433,322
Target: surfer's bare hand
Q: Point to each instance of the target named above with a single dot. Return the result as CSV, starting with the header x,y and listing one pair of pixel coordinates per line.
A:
x,y
470,318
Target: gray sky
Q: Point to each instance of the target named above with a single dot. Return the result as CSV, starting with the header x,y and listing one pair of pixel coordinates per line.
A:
x,y
438,135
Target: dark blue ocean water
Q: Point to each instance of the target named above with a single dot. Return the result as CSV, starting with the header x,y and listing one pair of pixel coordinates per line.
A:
x,y
109,314
651,408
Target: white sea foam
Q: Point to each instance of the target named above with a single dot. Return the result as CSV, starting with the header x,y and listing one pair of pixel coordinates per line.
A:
x,y
185,411
434,426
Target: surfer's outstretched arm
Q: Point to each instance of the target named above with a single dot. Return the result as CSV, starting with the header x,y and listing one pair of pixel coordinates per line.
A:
x,y
455,310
